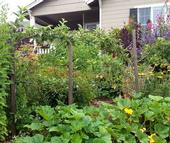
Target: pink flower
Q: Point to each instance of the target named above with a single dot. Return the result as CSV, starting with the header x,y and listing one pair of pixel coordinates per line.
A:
x,y
149,26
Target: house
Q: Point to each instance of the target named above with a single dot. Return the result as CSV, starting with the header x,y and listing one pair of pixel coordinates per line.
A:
x,y
106,14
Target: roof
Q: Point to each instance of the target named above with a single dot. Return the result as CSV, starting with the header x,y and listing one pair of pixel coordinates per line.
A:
x,y
34,3
37,2
89,1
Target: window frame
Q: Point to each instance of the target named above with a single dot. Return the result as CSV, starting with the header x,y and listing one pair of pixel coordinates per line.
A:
x,y
138,13
151,6
86,25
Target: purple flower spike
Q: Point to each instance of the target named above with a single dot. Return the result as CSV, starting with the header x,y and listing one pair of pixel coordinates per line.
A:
x,y
167,35
150,38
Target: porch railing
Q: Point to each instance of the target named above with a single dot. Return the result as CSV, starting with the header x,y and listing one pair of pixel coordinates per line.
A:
x,y
42,50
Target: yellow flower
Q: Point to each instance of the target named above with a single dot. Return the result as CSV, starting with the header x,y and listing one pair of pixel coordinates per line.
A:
x,y
168,118
128,111
143,130
101,76
151,138
161,73
168,67
97,76
113,86
151,73
141,74
160,77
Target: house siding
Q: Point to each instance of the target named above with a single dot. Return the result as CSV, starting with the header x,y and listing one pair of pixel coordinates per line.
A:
x,y
116,12
59,6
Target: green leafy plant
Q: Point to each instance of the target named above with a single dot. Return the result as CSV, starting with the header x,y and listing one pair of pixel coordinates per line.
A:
x,y
157,53
129,120
5,58
157,84
155,60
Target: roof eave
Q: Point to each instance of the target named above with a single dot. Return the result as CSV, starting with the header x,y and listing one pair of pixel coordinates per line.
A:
x,y
34,3
89,1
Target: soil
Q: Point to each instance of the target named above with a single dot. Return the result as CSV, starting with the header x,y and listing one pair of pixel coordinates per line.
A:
x,y
98,101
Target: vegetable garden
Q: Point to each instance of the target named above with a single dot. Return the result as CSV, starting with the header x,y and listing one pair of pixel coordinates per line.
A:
x,y
117,84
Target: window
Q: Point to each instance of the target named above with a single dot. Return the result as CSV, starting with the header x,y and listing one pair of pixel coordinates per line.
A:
x,y
144,15
91,26
152,12
133,14
157,12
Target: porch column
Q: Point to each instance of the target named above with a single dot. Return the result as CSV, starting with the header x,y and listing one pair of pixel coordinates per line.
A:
x,y
83,21
32,19
100,13
32,24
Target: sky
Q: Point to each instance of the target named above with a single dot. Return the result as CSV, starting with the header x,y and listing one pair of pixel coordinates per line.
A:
x,y
12,4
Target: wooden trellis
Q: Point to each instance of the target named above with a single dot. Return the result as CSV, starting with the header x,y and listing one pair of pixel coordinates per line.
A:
x,y
135,61
13,91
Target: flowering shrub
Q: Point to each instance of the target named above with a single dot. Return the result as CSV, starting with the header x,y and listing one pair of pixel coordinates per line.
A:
x,y
129,120
159,29
155,83
126,38
145,34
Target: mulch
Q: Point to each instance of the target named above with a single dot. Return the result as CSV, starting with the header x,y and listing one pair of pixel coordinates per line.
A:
x,y
102,99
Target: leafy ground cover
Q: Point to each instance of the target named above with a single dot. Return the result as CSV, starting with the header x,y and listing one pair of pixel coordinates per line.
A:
x,y
128,120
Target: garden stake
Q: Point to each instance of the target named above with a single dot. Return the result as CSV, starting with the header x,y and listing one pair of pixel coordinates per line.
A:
x,y
70,74
135,62
13,95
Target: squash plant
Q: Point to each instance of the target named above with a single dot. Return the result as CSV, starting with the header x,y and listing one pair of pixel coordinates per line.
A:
x,y
129,120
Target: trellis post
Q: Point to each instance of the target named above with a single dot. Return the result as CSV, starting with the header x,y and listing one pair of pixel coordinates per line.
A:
x,y
135,61
70,73
13,95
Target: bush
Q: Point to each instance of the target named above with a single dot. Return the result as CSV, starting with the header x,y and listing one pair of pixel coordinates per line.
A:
x,y
157,84
47,75
156,60
157,53
43,79
5,68
129,120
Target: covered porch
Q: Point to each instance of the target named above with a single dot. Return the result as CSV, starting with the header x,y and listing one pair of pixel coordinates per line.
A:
x,y
75,12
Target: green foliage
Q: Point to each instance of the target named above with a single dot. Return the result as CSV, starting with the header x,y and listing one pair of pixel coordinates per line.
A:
x,y
156,86
99,70
35,139
3,11
21,14
156,58
47,75
157,53
129,120
4,72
